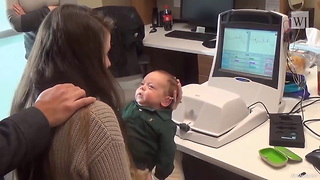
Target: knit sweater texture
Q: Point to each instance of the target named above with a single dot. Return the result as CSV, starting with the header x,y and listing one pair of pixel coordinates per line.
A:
x,y
90,148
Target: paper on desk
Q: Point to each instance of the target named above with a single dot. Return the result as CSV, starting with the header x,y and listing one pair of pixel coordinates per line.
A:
x,y
313,36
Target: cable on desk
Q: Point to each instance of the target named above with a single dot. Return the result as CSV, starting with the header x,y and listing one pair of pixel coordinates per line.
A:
x,y
259,102
304,122
311,120
301,107
297,79
304,106
294,107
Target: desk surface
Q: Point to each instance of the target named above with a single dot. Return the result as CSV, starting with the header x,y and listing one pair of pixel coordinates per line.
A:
x,y
158,40
241,156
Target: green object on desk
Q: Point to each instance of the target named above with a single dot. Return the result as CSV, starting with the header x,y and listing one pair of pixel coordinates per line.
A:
x,y
278,156
273,157
289,154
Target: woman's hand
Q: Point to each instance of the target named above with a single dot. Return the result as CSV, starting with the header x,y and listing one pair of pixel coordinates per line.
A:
x,y
61,101
177,96
52,7
18,9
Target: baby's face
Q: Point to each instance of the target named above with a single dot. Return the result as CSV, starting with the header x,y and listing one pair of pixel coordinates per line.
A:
x,y
152,90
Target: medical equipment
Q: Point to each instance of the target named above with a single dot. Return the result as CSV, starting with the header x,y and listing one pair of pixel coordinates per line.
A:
x,y
249,66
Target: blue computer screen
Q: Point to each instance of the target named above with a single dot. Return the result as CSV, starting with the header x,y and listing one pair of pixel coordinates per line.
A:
x,y
249,51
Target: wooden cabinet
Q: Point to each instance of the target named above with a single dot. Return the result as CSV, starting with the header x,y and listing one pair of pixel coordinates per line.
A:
x,y
204,67
144,8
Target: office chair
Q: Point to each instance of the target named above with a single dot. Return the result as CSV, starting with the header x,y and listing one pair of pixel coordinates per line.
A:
x,y
128,62
126,53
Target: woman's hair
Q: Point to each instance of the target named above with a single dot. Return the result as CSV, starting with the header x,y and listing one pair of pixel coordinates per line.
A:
x,y
69,48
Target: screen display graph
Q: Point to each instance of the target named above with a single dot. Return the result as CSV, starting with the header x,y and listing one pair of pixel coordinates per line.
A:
x,y
249,51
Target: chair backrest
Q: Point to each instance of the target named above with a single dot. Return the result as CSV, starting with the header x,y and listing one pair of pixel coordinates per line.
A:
x,y
126,39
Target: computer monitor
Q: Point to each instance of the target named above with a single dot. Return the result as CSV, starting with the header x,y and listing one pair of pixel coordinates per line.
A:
x,y
204,12
250,57
249,53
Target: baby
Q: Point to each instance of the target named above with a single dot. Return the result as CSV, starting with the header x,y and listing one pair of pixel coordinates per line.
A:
x,y
149,124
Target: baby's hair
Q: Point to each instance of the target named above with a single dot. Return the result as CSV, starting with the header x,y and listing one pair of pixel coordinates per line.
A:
x,y
172,81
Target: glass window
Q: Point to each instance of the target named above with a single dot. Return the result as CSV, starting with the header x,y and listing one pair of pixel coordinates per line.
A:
x,y
4,25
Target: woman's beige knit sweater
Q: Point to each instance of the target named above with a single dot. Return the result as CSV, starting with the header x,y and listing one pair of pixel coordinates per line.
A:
x,y
90,146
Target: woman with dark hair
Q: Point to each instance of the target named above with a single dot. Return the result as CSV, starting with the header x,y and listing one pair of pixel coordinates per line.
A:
x,y
72,47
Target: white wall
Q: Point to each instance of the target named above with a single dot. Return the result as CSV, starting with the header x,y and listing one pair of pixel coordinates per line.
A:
x,y
91,3
116,2
99,3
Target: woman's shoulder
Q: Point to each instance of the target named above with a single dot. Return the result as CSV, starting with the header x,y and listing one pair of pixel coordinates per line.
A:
x,y
101,111
96,112
99,105
101,118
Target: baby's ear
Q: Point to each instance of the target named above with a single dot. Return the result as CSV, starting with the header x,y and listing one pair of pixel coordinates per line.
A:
x,y
166,101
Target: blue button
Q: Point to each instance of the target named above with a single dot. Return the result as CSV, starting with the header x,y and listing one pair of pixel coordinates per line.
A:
x,y
242,79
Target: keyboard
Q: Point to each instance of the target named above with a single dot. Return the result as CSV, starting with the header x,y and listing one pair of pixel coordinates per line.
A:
x,y
191,35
